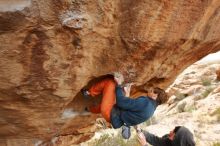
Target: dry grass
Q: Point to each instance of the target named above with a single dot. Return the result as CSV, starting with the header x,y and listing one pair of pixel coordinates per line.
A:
x,y
180,96
216,144
110,140
205,93
206,81
217,113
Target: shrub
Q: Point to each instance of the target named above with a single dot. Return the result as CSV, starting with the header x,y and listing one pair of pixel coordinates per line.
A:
x,y
107,140
180,95
216,113
216,144
206,81
190,109
206,92
101,140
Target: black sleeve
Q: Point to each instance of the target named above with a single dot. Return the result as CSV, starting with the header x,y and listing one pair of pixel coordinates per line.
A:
x,y
155,140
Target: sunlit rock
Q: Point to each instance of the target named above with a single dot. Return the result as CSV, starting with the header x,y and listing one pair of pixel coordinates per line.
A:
x,y
72,19
14,5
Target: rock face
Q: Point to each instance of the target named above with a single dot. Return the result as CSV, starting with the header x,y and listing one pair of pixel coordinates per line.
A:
x,y
218,74
50,49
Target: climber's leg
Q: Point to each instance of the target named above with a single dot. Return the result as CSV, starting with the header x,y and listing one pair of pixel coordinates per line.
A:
x,y
108,99
98,88
105,87
95,109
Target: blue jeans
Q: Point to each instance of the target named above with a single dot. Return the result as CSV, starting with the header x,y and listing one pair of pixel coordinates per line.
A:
x,y
115,117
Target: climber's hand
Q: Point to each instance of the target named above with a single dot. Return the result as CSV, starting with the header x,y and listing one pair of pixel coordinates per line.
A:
x,y
142,139
118,77
127,89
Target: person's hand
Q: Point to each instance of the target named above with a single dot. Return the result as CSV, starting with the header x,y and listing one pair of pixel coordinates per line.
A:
x,y
142,139
118,77
127,89
137,128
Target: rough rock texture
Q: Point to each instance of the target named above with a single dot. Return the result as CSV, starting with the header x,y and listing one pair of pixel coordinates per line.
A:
x,y
218,74
50,49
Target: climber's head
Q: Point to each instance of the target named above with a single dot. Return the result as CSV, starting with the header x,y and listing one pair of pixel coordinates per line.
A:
x,y
157,94
181,136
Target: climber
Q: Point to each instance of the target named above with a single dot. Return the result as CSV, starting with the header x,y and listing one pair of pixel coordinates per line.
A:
x,y
120,110
179,136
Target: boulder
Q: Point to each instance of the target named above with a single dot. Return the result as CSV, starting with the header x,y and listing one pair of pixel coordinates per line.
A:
x,y
49,50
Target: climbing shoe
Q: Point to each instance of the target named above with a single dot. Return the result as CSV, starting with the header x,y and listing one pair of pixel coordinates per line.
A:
x,y
85,93
86,109
126,132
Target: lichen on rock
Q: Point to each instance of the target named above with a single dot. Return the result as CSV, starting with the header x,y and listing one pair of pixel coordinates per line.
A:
x,y
72,19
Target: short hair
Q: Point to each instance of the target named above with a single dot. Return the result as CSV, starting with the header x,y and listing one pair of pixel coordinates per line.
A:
x,y
176,129
162,96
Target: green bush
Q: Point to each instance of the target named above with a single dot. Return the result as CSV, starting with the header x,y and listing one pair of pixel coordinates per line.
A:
x,y
206,92
101,140
180,96
206,81
190,109
107,140
216,113
216,144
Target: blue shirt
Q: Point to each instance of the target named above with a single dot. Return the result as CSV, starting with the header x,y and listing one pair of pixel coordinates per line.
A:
x,y
132,111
